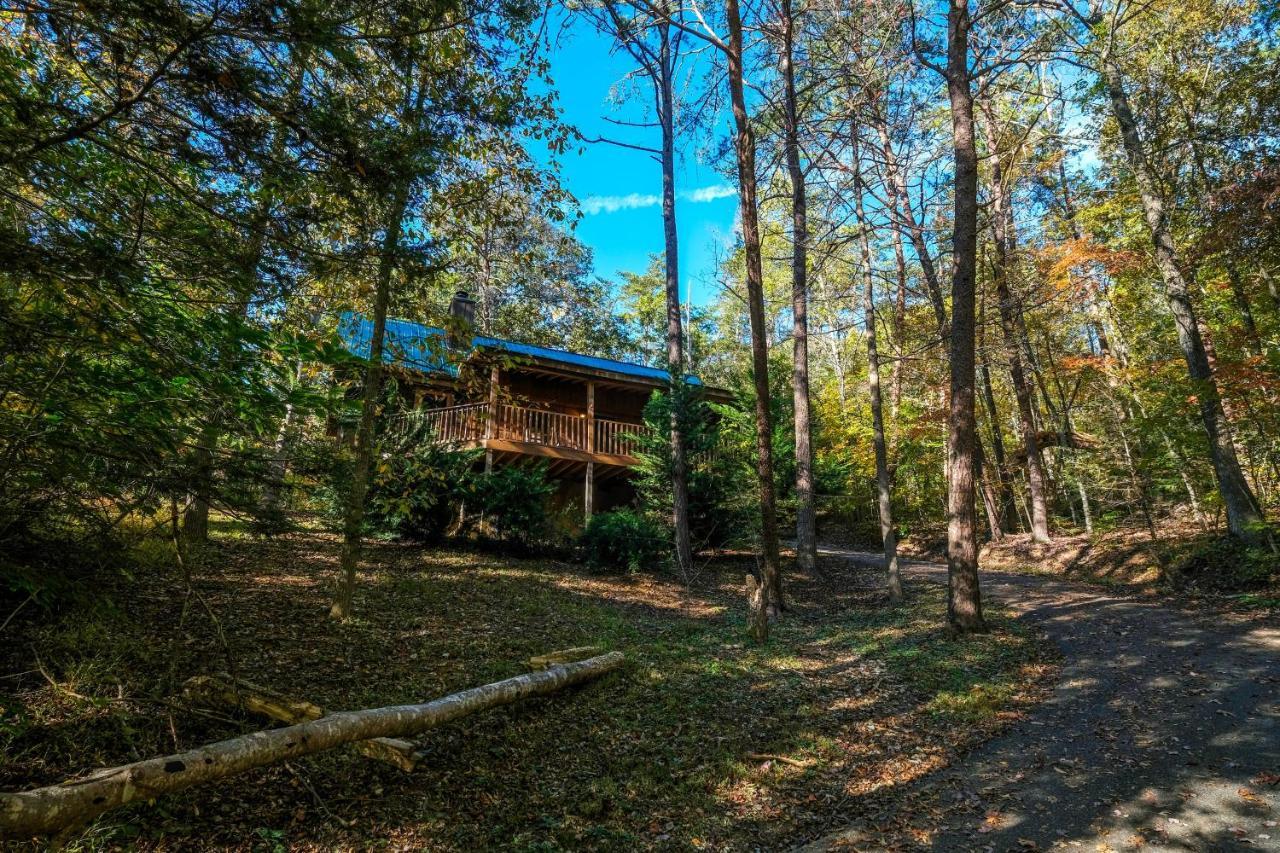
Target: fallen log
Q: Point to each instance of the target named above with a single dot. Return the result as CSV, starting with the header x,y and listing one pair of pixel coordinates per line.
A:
x,y
556,658
238,693
231,692
56,808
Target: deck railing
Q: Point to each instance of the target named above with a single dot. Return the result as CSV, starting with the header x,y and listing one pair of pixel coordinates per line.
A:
x,y
618,438
449,425
460,424
539,426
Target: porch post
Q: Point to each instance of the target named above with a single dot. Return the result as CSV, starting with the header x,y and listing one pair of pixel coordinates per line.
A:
x,y
491,423
588,495
591,417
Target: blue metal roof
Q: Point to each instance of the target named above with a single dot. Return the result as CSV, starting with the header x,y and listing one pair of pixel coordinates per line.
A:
x,y
420,347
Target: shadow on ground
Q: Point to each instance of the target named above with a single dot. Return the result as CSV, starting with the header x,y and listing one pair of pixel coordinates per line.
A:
x,y
1163,734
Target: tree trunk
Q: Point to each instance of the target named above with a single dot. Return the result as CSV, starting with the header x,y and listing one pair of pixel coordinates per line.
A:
x,y
1084,506
1012,330
353,520
1241,298
675,326
837,364
757,610
280,454
744,148
899,328
964,599
1201,519
905,218
195,520
1006,511
888,535
806,519
1095,275
990,502
1137,482
1272,289
48,810
1244,517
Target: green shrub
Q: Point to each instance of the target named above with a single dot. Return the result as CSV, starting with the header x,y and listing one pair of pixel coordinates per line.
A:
x,y
1226,565
624,540
416,494
514,504
720,510
419,489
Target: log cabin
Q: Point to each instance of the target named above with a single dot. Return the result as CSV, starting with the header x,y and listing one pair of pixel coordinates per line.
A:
x,y
522,404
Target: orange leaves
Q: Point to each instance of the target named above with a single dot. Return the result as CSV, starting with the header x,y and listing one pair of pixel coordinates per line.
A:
x,y
1076,362
1061,262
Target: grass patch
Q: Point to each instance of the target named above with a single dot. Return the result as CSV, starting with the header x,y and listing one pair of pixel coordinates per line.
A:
x,y
703,741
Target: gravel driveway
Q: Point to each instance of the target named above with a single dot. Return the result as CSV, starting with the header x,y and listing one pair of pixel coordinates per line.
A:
x,y
1162,734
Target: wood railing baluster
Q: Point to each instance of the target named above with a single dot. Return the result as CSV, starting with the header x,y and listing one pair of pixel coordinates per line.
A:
x,y
456,424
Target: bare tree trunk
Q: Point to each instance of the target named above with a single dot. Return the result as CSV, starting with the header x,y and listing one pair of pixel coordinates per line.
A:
x,y
990,502
1007,513
1244,516
806,519
904,215
1272,289
745,150
1201,519
195,518
1012,329
44,811
1137,482
353,519
837,366
964,598
1084,506
1077,233
899,327
280,453
888,536
675,327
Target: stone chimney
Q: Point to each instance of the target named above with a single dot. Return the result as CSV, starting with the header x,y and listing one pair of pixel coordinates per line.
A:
x,y
462,319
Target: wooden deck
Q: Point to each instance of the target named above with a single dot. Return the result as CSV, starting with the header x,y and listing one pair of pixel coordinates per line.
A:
x,y
523,431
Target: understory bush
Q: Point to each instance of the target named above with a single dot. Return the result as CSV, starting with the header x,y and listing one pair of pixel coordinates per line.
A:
x,y
624,540
513,502
1226,564
416,494
426,493
720,509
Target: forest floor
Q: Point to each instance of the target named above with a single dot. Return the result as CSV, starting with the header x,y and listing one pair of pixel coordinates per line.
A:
x,y
701,742
1163,733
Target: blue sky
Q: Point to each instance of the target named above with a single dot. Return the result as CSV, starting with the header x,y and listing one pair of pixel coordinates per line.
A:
x,y
619,188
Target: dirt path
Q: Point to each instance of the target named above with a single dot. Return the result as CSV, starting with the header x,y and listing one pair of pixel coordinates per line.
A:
x,y
1163,734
